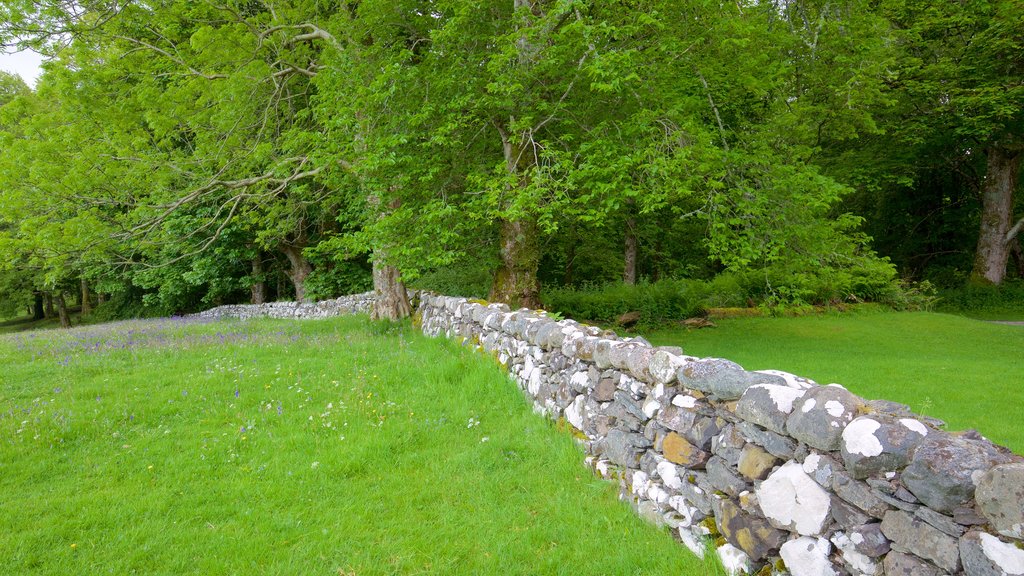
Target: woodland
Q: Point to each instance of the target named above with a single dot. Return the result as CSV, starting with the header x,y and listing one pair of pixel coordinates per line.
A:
x,y
177,155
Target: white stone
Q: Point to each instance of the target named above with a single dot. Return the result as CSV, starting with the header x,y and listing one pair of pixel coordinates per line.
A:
x,y
861,563
734,560
807,556
657,494
651,407
684,401
669,474
859,437
580,380
792,380
1007,557
692,541
834,408
782,396
811,463
574,412
640,483
534,381
915,425
664,365
790,499
809,405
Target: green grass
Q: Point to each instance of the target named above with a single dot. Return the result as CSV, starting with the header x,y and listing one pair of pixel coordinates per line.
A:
x,y
334,447
967,372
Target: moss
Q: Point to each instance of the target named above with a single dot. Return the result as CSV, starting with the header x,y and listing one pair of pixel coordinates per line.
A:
x,y
478,301
710,524
417,319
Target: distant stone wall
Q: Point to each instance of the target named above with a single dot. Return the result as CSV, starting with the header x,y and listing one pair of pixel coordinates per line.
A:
x,y
765,465
351,304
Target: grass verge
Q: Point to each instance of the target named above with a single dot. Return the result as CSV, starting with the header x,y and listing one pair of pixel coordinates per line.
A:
x,y
964,371
333,447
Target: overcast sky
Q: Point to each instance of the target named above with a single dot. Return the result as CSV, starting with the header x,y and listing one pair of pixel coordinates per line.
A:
x,y
25,63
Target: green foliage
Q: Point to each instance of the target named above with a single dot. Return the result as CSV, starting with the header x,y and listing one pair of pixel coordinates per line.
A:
x,y
1004,302
331,281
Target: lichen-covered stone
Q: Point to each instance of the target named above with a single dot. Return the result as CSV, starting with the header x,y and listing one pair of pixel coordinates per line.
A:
x,y
806,556
678,450
790,499
900,564
776,444
753,535
858,562
921,539
821,414
602,349
724,379
638,362
664,365
755,463
985,555
1000,497
791,380
734,560
728,444
873,444
768,405
945,467
678,419
820,467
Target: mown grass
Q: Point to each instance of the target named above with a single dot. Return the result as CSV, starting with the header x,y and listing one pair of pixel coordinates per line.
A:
x,y
967,372
333,447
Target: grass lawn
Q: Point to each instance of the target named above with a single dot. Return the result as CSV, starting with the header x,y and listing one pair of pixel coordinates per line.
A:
x,y
334,447
967,372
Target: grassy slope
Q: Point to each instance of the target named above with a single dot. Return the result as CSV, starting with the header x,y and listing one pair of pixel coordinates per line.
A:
x,y
964,371
268,447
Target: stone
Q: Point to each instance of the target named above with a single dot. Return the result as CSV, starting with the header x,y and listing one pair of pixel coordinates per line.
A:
x,y
664,365
858,493
728,444
945,467
899,564
755,463
768,405
624,448
820,467
678,450
821,414
754,536
630,405
941,522
605,390
638,363
791,380
723,479
619,353
868,540
734,560
791,500
703,431
649,511
966,516
985,555
623,417
913,535
806,556
874,444
859,563
678,419
1000,498
776,444
724,379
601,353
846,515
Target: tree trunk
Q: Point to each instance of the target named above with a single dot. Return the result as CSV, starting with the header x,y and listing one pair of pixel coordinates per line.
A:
x,y
86,305
47,305
1018,257
259,287
101,298
629,271
392,299
515,280
62,310
300,269
37,306
993,250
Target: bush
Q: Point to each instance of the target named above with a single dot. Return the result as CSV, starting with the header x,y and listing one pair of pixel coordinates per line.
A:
x,y
975,297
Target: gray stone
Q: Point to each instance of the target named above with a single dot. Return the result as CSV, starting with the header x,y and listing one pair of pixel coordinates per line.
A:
x,y
602,351
619,353
875,443
1000,498
768,405
895,502
859,494
722,378
941,522
821,467
913,535
728,444
944,468
675,418
631,405
605,390
753,535
638,363
775,444
624,448
703,431
899,564
623,418
985,555
966,516
663,366
821,414
869,540
846,515
723,479
695,494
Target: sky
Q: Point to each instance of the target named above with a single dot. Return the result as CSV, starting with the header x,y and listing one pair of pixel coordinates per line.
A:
x,y
25,63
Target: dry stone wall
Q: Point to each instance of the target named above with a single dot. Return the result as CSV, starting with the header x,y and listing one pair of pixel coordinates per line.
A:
x,y
780,474
351,304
